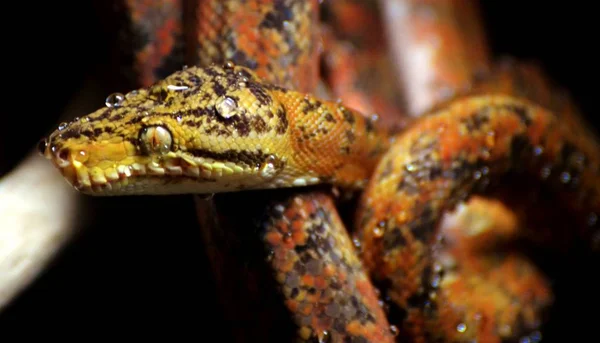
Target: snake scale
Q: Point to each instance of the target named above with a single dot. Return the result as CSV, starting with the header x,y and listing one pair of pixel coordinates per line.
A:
x,y
248,115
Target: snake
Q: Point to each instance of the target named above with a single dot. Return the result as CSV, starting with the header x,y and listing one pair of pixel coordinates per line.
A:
x,y
246,116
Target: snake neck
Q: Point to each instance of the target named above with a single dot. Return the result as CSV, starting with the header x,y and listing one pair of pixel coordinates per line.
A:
x,y
329,142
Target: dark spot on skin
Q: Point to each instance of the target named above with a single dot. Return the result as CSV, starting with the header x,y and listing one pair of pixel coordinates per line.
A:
x,y
260,93
329,117
393,239
345,150
310,106
71,133
104,115
424,227
350,136
369,125
477,120
348,116
219,89
240,58
97,131
294,293
258,124
248,158
282,125
522,112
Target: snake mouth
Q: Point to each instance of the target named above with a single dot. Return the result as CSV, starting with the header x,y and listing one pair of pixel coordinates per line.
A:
x,y
174,176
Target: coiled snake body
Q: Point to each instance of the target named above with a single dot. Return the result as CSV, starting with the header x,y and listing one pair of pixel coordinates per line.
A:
x,y
247,118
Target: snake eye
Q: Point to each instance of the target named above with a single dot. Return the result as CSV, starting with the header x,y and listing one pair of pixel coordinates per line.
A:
x,y
155,140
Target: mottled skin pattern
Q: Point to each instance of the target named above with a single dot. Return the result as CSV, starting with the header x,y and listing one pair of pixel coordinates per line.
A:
x,y
432,316
274,38
322,278
499,293
435,164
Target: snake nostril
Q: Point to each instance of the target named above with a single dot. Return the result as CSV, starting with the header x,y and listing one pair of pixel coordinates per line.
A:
x,y
63,155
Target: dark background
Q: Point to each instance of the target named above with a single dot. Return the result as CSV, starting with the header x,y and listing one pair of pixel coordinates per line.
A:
x,y
150,277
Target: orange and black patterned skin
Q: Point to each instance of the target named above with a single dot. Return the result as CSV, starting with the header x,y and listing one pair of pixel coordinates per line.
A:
x,y
470,145
436,163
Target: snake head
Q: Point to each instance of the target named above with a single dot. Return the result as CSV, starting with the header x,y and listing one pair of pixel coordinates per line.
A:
x,y
200,130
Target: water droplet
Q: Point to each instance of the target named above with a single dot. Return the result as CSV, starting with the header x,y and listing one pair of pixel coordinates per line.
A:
x,y
270,255
42,145
477,175
379,230
145,113
132,94
435,282
356,243
411,167
227,107
184,67
325,337
287,237
268,169
114,100
82,153
229,65
62,126
85,119
242,84
525,340
76,119
462,327
179,118
538,150
177,88
394,330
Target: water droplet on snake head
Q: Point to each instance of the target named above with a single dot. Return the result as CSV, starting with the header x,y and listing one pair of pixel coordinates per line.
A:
x,y
226,108
114,100
268,168
62,126
394,330
462,327
177,88
132,93
229,65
